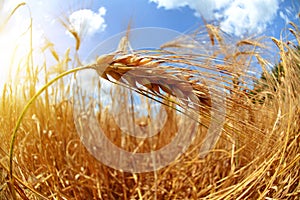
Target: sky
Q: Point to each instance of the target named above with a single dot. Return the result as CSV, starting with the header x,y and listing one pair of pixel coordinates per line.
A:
x,y
97,20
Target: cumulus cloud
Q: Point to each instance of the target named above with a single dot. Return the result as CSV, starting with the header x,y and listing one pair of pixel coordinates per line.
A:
x,y
249,16
235,16
88,22
203,7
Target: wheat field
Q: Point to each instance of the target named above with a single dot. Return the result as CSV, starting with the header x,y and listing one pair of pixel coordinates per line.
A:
x,y
255,154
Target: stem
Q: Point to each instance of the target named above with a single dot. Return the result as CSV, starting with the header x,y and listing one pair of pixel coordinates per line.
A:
x,y
25,109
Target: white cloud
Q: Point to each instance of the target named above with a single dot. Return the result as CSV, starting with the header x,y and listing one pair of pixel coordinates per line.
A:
x,y
88,22
203,7
249,16
235,16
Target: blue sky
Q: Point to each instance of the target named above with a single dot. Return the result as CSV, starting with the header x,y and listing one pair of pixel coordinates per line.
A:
x,y
104,18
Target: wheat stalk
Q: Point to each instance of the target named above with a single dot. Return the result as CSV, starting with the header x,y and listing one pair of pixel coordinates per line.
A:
x,y
142,70
165,71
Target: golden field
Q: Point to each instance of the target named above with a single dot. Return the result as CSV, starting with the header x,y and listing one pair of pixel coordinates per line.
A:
x,y
256,157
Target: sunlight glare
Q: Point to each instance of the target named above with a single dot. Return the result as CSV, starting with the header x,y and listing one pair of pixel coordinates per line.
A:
x,y
15,42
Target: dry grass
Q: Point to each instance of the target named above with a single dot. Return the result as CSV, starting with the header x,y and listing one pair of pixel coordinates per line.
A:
x,y
256,157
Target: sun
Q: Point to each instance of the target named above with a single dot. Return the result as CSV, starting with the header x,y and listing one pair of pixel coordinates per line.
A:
x,y
12,40
16,38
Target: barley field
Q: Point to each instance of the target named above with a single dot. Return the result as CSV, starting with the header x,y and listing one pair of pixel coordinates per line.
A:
x,y
253,153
